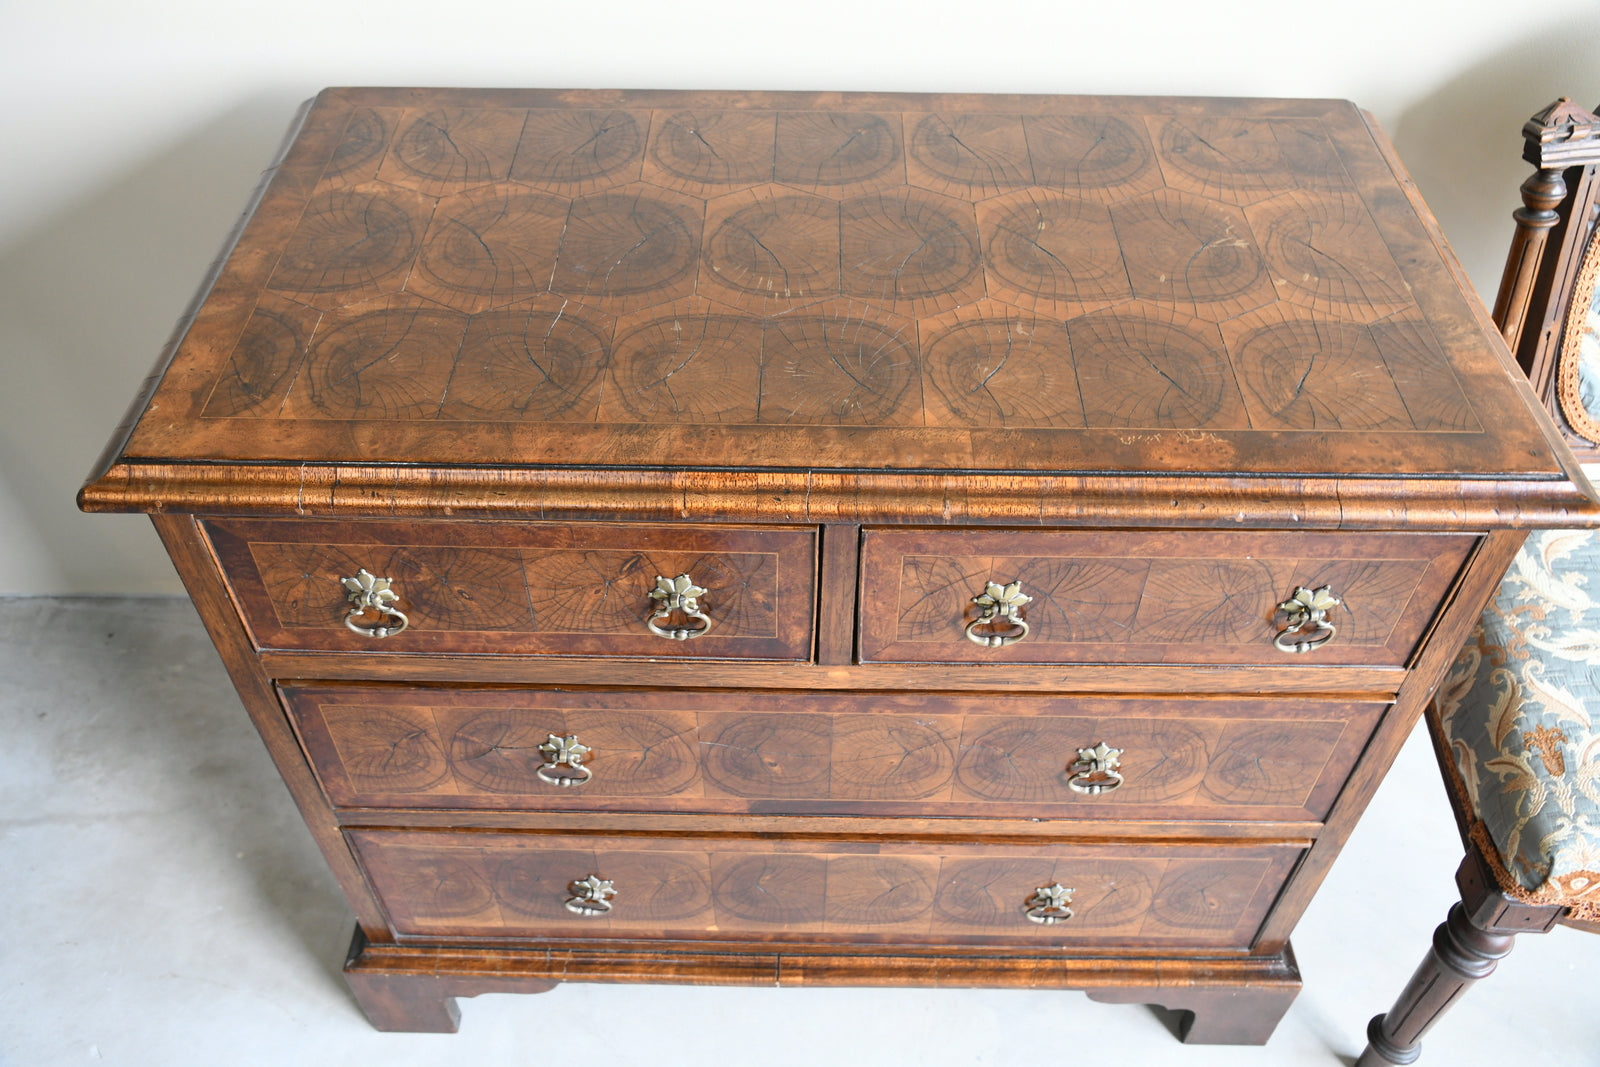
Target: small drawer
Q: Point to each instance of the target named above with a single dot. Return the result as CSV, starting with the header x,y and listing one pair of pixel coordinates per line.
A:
x,y
879,754
547,588
1131,597
446,884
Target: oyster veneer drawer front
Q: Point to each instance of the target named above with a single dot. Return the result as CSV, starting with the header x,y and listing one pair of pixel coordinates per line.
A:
x,y
550,588
988,596
830,753
488,885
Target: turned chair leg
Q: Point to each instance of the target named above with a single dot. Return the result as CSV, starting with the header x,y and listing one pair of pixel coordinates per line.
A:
x,y
1461,954
1478,933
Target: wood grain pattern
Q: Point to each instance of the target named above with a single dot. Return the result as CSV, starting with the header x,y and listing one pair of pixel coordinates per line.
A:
x,y
1191,255
1240,161
985,365
995,499
1052,253
579,150
973,156
837,151
1286,359
1141,367
442,149
525,588
522,351
771,242
1101,155
656,266
627,249
489,246
836,614
1326,255
840,753
910,252
1137,597
515,886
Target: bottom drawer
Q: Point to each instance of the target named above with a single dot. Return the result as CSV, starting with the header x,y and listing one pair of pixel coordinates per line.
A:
x,y
446,884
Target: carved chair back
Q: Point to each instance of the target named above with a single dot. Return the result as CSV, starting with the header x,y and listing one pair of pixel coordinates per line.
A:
x,y
1546,308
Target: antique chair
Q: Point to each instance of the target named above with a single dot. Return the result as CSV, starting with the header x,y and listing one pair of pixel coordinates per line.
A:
x,y
1515,722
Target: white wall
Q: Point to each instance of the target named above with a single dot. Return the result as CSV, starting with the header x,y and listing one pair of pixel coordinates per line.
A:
x,y
134,132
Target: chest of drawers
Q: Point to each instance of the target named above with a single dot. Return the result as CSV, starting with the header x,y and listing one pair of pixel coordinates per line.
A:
x,y
776,538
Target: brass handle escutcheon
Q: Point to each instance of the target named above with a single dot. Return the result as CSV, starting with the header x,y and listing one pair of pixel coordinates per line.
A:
x,y
999,605
1308,626
1050,904
1098,770
565,752
370,593
591,897
678,594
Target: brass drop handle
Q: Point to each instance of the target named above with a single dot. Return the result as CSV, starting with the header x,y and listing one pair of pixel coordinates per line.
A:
x,y
999,620
370,593
591,897
1098,770
1307,616
565,752
1049,905
680,595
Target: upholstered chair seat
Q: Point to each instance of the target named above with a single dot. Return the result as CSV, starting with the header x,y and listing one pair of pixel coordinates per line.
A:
x,y
1518,718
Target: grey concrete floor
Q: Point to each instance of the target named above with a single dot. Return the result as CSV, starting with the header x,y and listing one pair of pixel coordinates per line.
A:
x,y
163,905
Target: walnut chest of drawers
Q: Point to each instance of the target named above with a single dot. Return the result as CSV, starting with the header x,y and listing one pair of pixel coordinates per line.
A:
x,y
766,538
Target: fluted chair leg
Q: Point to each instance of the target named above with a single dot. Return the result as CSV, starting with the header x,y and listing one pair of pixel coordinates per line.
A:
x,y
1461,954
1478,933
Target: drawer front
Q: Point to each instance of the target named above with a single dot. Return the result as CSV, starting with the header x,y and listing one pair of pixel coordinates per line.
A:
x,y
548,588
488,885
829,753
1130,597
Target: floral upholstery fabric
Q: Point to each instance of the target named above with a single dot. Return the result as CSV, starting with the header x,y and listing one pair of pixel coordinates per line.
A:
x,y
1588,358
1517,714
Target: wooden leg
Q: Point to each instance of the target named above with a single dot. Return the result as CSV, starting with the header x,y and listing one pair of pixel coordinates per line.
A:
x,y
1242,1016
410,1003
1461,954
1227,1013
1232,1017
407,995
1467,946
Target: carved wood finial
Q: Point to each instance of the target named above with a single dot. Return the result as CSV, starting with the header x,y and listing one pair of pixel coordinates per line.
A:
x,y
1562,135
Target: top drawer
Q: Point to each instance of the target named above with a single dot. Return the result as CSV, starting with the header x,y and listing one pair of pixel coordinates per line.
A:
x,y
1167,597
550,588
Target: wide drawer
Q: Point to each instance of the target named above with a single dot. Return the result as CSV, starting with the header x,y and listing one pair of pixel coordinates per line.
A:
x,y
1143,597
829,753
549,588
442,884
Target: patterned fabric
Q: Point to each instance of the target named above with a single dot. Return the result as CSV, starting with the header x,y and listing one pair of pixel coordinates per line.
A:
x,y
1589,359
1517,714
